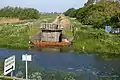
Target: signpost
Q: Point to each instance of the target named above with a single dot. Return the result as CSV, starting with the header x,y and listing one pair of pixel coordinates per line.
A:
x,y
26,58
9,65
108,28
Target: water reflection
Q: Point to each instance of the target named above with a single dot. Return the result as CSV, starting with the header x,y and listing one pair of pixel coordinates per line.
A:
x,y
86,66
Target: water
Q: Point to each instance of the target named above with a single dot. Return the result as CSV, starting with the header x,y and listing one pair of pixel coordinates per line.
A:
x,y
86,65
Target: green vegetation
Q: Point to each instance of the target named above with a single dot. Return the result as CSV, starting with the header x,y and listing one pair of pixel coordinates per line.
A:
x,y
68,33
89,23
43,18
89,2
1,67
95,40
14,36
33,30
48,17
71,12
56,75
21,13
99,14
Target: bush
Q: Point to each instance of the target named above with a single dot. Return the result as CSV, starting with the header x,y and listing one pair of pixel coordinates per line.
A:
x,y
99,14
21,13
71,12
96,40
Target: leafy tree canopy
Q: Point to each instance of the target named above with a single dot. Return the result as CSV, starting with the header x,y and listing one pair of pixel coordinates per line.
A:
x,y
71,12
100,14
21,13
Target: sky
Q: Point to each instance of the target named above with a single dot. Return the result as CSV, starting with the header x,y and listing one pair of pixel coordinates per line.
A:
x,y
45,5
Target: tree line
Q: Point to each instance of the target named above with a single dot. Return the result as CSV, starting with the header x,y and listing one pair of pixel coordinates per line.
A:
x,y
18,12
99,15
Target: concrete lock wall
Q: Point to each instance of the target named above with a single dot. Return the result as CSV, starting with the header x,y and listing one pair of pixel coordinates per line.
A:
x,y
50,32
50,36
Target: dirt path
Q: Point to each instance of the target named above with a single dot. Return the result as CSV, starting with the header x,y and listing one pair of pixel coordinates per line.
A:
x,y
10,20
62,20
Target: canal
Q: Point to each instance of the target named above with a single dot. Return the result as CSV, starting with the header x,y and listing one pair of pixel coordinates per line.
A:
x,y
89,66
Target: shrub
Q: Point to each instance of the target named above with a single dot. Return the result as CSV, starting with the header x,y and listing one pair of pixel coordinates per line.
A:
x,y
21,13
99,14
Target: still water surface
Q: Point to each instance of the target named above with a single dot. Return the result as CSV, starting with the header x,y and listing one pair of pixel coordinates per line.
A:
x,y
67,61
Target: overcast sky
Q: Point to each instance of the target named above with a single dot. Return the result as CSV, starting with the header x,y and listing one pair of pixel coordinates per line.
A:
x,y
45,5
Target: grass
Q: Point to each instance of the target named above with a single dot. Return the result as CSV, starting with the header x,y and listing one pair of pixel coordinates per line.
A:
x,y
48,17
16,35
1,67
13,36
36,28
33,30
68,32
95,40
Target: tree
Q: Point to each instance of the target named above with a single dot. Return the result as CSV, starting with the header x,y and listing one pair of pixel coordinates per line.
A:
x,y
71,12
100,14
89,2
21,13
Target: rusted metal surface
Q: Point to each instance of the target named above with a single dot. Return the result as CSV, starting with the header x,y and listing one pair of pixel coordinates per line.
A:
x,y
40,44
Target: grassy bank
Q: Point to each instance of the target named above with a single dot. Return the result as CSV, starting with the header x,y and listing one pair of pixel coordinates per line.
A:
x,y
48,17
1,67
89,39
16,35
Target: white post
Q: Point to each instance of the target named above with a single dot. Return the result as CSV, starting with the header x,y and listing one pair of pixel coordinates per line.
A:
x,y
12,74
26,58
26,68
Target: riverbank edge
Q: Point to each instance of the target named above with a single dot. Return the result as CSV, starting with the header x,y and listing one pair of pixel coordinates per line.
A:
x,y
66,49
